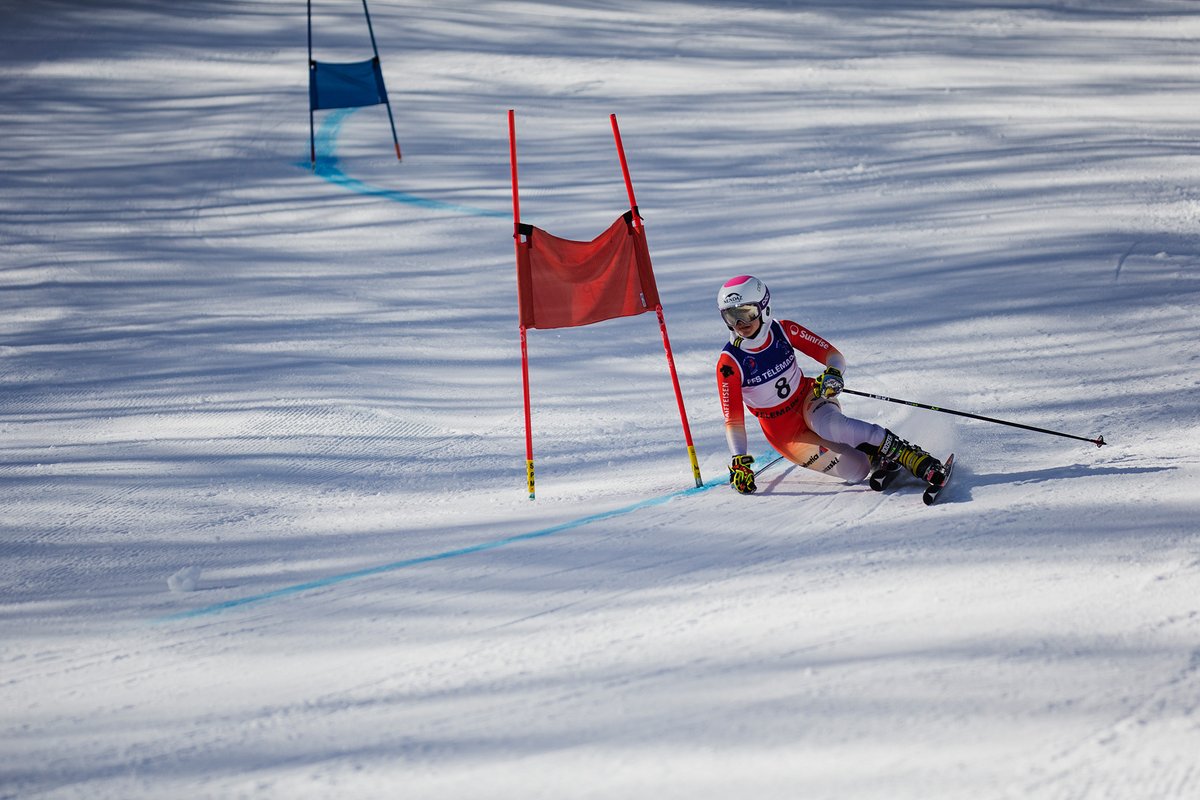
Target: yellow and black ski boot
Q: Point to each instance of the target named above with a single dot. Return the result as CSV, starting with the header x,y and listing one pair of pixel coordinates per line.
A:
x,y
920,463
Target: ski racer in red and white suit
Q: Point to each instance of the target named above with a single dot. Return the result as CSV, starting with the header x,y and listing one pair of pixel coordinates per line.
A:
x,y
769,381
800,416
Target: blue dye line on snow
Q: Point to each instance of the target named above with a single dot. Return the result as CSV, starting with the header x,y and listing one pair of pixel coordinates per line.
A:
x,y
327,169
332,580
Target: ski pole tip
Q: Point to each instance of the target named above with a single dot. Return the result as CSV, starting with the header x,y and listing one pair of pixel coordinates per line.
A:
x,y
1099,440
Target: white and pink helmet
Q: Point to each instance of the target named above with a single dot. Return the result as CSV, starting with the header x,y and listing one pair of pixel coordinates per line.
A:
x,y
745,298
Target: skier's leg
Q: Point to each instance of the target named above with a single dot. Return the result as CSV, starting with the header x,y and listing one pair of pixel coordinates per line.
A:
x,y
825,418
852,465
793,439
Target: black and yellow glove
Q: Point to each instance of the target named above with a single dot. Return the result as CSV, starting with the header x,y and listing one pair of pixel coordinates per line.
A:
x,y
829,383
741,477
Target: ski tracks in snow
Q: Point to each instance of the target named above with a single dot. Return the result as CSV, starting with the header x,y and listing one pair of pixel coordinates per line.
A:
x,y
1148,751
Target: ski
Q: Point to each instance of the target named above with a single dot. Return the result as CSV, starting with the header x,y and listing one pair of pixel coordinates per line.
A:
x,y
882,477
934,489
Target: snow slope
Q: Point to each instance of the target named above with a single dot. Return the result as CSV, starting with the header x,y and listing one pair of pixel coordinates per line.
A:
x,y
264,527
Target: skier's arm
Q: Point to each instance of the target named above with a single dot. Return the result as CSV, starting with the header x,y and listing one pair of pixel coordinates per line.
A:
x,y
813,346
729,388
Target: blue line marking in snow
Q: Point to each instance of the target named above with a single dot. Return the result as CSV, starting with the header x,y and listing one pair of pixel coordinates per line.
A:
x,y
327,168
332,580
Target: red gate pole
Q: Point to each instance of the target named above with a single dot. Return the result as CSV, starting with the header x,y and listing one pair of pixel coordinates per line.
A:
x,y
662,323
512,154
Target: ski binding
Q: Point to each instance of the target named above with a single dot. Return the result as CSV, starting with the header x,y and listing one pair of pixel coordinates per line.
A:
x,y
932,490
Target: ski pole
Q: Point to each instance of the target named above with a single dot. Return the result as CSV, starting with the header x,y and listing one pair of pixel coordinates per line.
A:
x,y
763,468
1098,441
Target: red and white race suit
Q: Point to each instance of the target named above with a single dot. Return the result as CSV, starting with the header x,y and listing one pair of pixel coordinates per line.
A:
x,y
769,381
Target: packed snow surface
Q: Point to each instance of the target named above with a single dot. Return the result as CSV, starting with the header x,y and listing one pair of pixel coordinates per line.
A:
x,y
265,526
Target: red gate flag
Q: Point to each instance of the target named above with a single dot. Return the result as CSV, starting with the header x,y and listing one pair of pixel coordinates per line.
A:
x,y
563,283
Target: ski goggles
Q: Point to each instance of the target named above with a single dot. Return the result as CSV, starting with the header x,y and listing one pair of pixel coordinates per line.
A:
x,y
747,314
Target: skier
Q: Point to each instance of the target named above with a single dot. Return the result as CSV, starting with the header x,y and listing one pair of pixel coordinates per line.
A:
x,y
800,416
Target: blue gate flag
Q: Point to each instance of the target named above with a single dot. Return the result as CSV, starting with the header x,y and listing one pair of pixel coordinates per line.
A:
x,y
359,83
345,85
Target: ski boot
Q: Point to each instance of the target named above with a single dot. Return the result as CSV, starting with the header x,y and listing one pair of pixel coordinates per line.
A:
x,y
921,464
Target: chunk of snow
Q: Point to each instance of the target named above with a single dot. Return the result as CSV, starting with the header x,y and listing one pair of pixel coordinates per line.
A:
x,y
184,580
